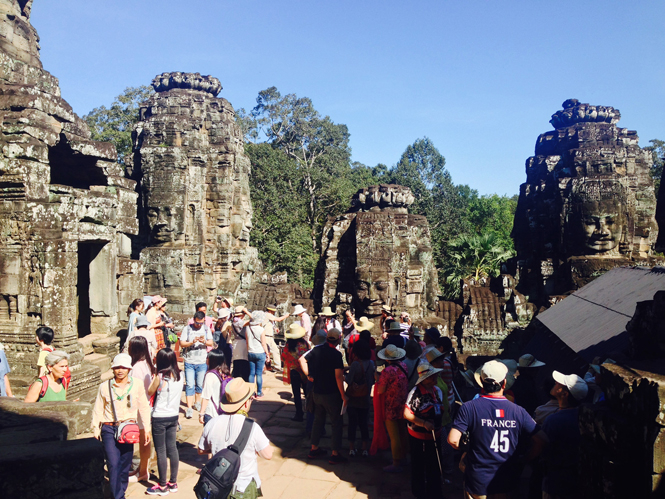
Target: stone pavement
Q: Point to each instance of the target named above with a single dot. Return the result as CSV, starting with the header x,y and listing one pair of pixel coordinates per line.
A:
x,y
289,474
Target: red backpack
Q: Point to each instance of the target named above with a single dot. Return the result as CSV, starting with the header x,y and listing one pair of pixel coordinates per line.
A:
x,y
65,383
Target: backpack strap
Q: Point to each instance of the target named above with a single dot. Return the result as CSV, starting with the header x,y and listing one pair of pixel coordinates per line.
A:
x,y
44,388
243,438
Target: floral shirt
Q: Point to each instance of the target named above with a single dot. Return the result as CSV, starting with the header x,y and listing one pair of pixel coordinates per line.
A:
x,y
396,384
290,360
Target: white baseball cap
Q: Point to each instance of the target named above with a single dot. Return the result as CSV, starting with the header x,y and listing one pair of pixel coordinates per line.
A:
x,y
492,371
576,385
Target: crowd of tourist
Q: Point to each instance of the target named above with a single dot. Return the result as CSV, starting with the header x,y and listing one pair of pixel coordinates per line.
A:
x,y
428,410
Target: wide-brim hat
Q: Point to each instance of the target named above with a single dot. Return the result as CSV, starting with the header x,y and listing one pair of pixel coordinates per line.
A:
x,y
229,301
239,310
299,309
238,391
142,321
416,332
425,370
122,360
334,334
432,355
327,312
159,300
391,352
364,324
394,327
271,308
223,313
385,308
320,337
295,332
259,318
433,333
528,360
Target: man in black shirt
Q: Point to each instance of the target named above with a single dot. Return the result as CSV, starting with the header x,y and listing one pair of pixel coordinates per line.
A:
x,y
326,369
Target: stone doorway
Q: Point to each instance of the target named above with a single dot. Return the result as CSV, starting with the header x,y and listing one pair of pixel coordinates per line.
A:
x,y
87,289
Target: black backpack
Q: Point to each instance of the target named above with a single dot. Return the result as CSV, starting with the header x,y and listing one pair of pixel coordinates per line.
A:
x,y
220,473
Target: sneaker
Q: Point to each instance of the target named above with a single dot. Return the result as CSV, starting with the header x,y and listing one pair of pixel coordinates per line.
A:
x,y
313,454
259,395
352,453
156,490
173,487
197,407
189,413
392,469
337,459
365,454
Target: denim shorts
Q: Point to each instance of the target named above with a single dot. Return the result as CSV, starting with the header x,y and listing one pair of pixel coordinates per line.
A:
x,y
194,374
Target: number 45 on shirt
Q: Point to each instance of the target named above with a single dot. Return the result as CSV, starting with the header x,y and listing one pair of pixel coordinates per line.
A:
x,y
500,442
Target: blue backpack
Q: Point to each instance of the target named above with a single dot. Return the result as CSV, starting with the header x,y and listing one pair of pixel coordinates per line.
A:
x,y
219,475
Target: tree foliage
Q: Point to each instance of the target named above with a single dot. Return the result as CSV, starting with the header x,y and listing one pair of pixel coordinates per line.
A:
x,y
474,256
115,124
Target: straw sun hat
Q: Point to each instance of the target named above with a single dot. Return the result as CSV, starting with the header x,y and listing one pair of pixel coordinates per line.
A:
x,y
295,332
425,370
327,311
391,352
238,391
364,324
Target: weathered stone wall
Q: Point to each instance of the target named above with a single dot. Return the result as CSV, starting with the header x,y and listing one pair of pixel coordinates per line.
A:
x,y
378,254
587,205
195,209
66,211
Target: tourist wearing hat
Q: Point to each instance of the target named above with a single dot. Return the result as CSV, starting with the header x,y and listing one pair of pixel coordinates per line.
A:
x,y
392,387
424,412
326,368
359,378
296,346
305,320
560,437
328,320
257,349
394,336
405,324
241,318
222,303
495,426
222,335
363,327
438,360
143,328
270,330
223,430
385,320
526,389
430,336
128,398
155,316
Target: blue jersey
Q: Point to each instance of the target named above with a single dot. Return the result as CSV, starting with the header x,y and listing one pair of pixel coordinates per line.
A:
x,y
495,425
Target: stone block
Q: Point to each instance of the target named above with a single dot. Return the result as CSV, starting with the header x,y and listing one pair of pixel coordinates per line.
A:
x,y
106,346
53,470
77,415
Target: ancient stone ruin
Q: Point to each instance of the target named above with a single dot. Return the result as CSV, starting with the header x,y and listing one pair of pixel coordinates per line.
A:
x,y
587,205
194,210
378,254
67,213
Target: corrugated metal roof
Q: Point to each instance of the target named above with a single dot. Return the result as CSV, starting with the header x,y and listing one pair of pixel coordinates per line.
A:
x,y
600,310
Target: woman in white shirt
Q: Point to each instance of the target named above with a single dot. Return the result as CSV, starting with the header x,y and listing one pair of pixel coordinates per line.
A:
x,y
167,388
217,376
142,372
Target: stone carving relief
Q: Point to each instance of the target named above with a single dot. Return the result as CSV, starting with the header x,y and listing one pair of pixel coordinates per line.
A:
x,y
35,288
587,204
378,254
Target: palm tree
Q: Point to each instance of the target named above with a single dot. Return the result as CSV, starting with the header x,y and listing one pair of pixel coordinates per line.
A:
x,y
475,255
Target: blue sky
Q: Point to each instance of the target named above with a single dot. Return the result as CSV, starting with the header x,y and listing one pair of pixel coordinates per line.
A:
x,y
481,79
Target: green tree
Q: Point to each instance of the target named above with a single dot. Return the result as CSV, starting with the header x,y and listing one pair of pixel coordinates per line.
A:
x,y
657,149
475,255
115,124
492,214
280,231
319,147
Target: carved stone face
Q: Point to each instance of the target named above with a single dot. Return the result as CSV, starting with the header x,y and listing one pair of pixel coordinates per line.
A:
x,y
372,290
599,226
163,223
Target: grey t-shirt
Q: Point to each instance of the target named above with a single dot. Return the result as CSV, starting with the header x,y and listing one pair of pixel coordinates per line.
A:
x,y
197,353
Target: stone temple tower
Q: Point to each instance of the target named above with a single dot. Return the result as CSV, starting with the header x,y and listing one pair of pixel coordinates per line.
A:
x,y
587,204
195,211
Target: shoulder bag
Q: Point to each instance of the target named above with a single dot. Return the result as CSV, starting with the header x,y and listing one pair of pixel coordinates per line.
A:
x,y
126,432
356,389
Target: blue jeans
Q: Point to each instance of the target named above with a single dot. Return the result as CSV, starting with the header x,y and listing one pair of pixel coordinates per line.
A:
x,y
194,374
118,461
256,363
